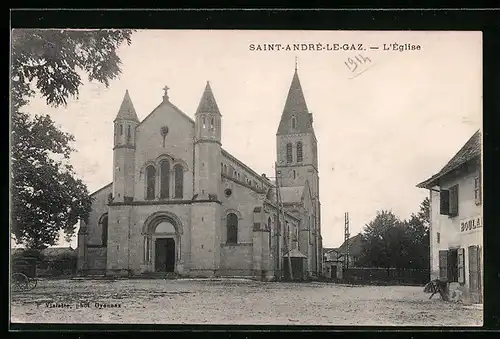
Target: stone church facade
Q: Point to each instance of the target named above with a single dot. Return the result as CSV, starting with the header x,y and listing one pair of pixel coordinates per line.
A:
x,y
179,202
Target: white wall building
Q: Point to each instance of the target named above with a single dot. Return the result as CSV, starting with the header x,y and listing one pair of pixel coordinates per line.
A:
x,y
456,229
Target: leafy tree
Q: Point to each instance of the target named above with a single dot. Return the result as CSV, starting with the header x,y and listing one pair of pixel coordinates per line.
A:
x,y
391,243
418,229
51,60
46,195
383,241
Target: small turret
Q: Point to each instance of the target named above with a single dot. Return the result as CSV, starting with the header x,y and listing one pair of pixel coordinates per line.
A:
x,y
208,117
125,125
207,146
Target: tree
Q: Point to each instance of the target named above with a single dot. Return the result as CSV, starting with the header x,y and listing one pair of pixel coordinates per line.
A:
x,y
384,242
418,229
391,243
51,59
46,195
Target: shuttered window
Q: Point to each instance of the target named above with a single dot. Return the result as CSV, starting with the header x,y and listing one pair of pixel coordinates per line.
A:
x,y
461,265
454,201
443,265
452,265
477,189
444,202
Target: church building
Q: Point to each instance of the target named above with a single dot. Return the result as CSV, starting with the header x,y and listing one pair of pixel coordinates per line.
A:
x,y
181,204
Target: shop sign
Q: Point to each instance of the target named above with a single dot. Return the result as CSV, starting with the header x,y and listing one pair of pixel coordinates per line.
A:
x,y
470,224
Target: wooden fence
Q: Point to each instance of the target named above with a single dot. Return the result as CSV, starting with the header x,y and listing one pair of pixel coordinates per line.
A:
x,y
384,276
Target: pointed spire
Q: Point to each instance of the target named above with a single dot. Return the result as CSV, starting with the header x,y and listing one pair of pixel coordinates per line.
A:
x,y
207,102
127,110
295,108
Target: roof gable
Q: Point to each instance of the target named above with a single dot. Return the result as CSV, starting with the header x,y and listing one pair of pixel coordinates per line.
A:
x,y
355,245
468,152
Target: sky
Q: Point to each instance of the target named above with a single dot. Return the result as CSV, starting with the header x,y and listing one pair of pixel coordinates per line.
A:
x,y
381,129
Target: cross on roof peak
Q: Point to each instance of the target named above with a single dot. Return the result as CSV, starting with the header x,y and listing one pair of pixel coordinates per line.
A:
x,y
165,96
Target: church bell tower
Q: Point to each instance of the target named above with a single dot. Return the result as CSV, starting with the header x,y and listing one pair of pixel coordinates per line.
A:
x,y
297,158
125,125
206,207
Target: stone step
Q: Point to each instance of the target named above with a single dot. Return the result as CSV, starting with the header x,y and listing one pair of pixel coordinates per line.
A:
x,y
159,275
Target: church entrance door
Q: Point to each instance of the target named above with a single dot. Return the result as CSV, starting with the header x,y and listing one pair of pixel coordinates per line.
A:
x,y
164,255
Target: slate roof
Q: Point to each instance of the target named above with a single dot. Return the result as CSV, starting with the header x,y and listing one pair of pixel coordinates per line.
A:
x,y
57,251
207,103
470,151
127,110
355,245
295,253
329,249
295,105
50,252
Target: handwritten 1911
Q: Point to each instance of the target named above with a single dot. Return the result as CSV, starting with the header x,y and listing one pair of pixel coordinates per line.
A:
x,y
356,62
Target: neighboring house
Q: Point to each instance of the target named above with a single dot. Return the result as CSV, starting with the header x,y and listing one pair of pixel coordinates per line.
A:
x,y
181,203
456,228
332,265
330,254
54,260
354,246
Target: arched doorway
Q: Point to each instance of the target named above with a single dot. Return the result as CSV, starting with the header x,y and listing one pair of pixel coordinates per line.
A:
x,y
162,243
164,247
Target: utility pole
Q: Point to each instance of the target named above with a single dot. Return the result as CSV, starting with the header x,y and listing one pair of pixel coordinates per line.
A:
x,y
346,240
281,219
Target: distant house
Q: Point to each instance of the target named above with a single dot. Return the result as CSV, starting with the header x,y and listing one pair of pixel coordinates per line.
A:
x,y
332,266
50,261
456,223
330,254
354,246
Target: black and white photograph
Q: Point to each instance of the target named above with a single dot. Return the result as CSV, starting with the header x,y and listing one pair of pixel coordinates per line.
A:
x,y
246,177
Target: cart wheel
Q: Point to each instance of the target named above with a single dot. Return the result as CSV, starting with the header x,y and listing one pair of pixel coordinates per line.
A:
x,y
20,282
32,283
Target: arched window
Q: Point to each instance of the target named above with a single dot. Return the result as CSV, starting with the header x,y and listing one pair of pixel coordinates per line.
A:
x,y
203,122
179,181
294,174
300,155
128,133
150,182
212,123
121,129
269,223
225,169
221,167
289,155
165,179
294,122
232,228
165,227
104,235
